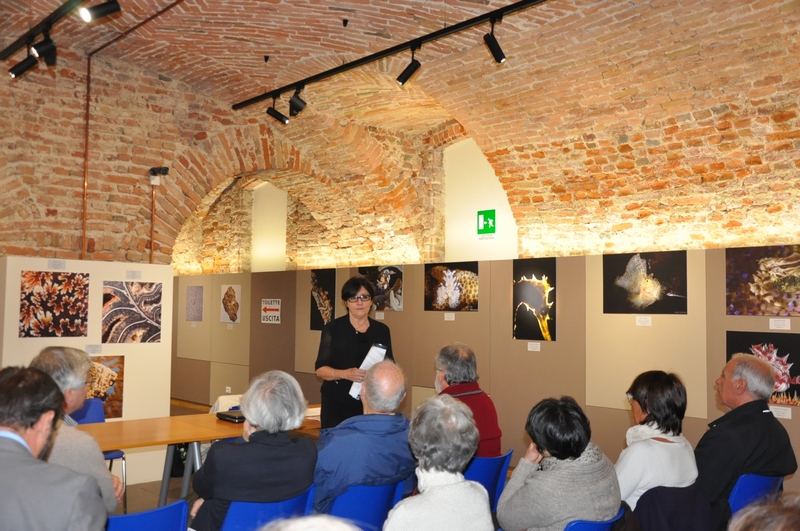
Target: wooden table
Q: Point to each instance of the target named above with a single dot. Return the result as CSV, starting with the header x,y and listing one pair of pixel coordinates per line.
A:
x,y
191,429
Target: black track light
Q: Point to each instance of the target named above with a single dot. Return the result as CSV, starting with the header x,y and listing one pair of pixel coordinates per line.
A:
x,y
89,14
46,49
412,67
296,104
494,46
275,113
23,66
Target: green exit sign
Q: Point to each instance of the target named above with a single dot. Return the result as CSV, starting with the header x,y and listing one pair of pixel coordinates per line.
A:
x,y
486,222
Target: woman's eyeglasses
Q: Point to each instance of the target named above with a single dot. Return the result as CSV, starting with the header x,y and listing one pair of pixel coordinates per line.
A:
x,y
362,298
629,397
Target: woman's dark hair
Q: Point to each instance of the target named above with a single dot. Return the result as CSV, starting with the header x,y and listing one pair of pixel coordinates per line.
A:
x,y
662,397
354,285
559,427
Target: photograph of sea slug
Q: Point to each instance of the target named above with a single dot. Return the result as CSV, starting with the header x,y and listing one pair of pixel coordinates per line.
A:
x,y
763,280
53,304
534,285
652,283
781,351
451,287
131,312
231,297
323,286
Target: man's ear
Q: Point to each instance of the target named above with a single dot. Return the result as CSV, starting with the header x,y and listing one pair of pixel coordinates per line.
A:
x,y
45,422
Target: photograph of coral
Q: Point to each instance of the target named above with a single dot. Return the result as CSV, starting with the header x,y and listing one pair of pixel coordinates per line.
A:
x,y
229,311
194,303
451,287
388,283
107,377
131,312
53,304
323,297
652,283
782,351
763,280
534,285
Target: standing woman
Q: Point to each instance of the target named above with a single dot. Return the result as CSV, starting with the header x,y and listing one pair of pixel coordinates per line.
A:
x,y
343,345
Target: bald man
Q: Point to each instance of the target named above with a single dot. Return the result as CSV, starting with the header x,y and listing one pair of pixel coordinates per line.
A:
x,y
370,449
746,440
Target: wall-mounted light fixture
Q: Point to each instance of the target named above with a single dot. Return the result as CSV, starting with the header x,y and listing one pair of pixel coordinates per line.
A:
x,y
296,103
46,49
494,46
89,14
23,66
275,113
412,67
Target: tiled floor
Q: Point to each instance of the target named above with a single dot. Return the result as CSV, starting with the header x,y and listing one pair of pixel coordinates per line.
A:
x,y
144,496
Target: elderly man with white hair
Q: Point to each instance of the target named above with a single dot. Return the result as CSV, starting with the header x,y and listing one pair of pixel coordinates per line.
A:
x,y
443,436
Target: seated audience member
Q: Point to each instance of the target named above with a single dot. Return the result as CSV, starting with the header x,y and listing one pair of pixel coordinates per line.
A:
x,y
35,495
746,440
457,376
317,522
265,465
563,475
368,449
780,515
72,448
657,454
444,437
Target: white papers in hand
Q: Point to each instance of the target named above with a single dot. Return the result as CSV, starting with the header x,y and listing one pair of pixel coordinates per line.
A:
x,y
376,353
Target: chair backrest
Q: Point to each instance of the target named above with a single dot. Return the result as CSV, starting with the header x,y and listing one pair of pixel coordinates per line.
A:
x,y
171,517
752,487
670,508
248,516
586,525
91,413
491,473
367,505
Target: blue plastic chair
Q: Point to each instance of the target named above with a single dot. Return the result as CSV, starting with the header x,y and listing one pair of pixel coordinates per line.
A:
x,y
171,517
586,525
753,487
92,412
248,516
367,506
490,472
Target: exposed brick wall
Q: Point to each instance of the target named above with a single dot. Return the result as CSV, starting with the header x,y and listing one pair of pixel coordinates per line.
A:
x,y
613,127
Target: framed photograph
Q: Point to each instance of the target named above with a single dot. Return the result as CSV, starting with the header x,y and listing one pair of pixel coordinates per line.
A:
x,y
108,383
651,283
782,351
388,283
131,312
763,280
53,304
230,304
323,297
534,312
451,287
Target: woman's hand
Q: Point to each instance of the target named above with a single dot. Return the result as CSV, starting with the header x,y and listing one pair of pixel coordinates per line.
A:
x,y
532,455
354,375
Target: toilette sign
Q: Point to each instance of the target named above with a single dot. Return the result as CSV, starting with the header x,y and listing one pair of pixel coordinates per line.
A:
x,y
271,311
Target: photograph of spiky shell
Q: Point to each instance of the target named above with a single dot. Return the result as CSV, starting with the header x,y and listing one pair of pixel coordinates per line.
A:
x,y
763,280
781,351
107,383
451,287
649,283
534,285
388,284
323,295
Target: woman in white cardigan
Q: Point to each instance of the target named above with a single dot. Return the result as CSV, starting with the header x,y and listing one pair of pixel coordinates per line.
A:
x,y
657,454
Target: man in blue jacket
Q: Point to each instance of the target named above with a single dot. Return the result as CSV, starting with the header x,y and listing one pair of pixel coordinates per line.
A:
x,y
370,449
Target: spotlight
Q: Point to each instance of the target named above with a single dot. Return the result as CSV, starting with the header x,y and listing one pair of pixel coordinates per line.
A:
x,y
272,111
159,170
89,14
46,48
23,66
494,46
296,104
406,74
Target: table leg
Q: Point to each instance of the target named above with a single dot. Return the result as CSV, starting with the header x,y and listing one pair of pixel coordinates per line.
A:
x,y
162,496
189,469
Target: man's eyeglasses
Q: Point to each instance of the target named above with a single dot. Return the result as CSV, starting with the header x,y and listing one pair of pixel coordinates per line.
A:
x,y
362,298
629,397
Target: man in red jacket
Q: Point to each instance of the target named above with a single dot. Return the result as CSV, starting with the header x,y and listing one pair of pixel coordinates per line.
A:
x,y
457,376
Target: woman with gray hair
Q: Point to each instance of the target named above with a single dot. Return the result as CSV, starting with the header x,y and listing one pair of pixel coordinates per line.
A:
x,y
265,464
443,437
